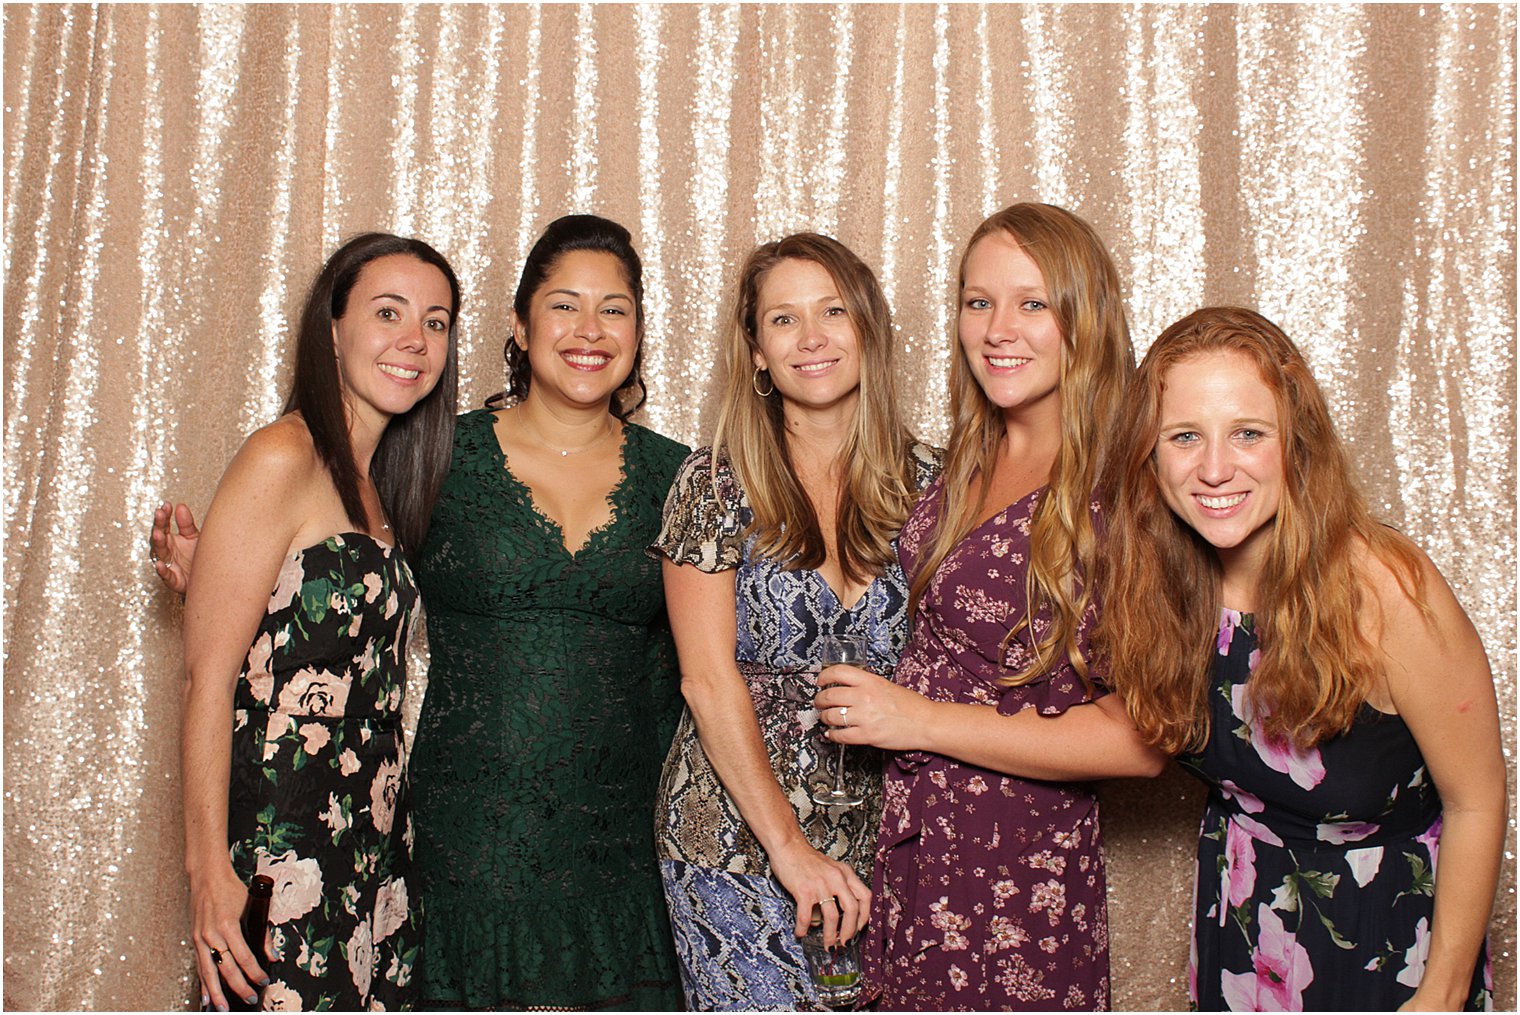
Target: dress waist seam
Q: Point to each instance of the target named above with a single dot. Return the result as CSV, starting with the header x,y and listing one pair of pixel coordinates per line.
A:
x,y
376,720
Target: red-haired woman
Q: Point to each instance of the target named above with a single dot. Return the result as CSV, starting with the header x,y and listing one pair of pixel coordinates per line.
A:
x,y
1314,669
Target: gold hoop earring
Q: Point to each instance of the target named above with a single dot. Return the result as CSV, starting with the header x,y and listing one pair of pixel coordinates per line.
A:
x,y
755,383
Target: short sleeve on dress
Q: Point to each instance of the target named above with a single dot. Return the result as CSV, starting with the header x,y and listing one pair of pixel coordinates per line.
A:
x,y
702,524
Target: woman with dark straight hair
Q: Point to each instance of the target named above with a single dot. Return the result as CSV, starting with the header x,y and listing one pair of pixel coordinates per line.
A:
x,y
293,761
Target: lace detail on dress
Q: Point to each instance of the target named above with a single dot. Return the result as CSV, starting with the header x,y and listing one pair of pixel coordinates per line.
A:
x,y
552,694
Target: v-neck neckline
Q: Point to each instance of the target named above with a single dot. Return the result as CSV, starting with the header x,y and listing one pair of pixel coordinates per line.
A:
x,y
555,529
1000,512
834,593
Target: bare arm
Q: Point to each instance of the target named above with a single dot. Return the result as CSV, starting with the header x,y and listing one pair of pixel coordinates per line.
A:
x,y
703,616
249,528
1092,741
1440,683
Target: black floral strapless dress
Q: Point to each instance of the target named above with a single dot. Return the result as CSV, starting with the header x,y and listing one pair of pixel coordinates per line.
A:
x,y
317,797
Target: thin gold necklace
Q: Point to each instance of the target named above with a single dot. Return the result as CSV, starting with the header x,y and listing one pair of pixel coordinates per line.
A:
x,y
532,432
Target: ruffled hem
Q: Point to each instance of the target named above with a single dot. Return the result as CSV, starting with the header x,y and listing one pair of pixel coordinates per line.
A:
x,y
611,952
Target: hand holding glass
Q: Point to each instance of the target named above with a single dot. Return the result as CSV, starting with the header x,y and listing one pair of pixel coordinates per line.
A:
x,y
853,650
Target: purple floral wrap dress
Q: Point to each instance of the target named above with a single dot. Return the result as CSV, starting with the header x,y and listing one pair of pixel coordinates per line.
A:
x,y
988,890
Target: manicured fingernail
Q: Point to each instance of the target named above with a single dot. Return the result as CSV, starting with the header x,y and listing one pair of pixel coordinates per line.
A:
x,y
253,999
264,982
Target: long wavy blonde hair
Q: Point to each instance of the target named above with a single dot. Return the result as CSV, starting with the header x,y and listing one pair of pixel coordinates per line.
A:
x,y
1162,580
1096,362
878,487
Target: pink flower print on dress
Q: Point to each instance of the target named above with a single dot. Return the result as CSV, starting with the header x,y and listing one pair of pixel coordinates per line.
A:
x,y
1431,840
390,908
1364,864
1280,971
260,677
1049,896
1239,867
1341,832
1415,955
361,957
1229,621
297,886
1248,802
1256,830
315,692
382,795
950,925
1304,767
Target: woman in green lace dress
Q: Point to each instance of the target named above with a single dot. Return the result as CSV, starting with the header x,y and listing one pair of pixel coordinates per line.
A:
x,y
552,690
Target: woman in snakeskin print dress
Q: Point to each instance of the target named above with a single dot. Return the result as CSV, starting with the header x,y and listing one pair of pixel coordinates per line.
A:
x,y
779,536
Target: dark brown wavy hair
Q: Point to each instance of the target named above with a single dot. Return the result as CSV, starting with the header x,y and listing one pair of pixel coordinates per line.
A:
x,y
1161,580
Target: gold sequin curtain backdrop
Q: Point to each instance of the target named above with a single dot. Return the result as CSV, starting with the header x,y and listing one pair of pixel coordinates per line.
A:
x,y
175,175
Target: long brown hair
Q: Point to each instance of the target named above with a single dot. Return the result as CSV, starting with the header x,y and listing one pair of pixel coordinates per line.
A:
x,y
1096,361
878,488
412,459
1162,580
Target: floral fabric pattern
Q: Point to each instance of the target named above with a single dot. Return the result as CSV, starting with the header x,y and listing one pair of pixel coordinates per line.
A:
x,y
318,793
989,890
711,858
1316,867
552,696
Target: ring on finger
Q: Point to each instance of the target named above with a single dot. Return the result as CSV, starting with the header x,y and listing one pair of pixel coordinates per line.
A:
x,y
844,714
216,956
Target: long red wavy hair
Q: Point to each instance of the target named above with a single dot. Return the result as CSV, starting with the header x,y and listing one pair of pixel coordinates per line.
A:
x,y
1161,580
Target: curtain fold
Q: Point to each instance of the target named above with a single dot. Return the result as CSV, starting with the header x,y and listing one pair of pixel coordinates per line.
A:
x,y
175,175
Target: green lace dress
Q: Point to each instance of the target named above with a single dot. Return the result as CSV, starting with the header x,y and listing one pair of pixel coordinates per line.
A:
x,y
552,696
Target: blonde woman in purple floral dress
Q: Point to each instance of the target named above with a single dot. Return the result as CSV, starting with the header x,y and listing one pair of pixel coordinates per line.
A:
x,y
292,753
1314,669
989,884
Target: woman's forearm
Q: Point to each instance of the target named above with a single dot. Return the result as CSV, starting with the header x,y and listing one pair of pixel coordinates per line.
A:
x,y
730,735
1092,741
206,748
1467,875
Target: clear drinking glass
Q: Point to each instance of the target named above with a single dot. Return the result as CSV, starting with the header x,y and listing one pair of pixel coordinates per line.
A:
x,y
835,972
853,649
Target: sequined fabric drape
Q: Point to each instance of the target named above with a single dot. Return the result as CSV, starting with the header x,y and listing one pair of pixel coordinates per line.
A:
x,y
174,176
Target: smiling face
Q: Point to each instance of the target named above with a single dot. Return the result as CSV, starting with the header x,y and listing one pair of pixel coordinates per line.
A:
x,y
1007,329
581,332
1219,456
806,338
392,342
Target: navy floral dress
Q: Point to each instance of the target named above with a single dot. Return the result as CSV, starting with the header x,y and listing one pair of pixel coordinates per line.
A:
x,y
1316,868
317,797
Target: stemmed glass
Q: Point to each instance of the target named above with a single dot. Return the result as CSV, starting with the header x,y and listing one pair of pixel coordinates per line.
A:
x,y
854,650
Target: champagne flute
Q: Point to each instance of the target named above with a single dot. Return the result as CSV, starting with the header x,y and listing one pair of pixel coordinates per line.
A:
x,y
853,649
